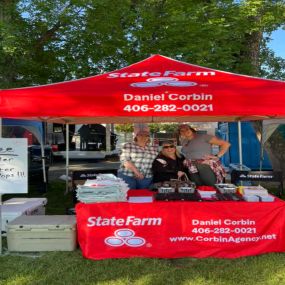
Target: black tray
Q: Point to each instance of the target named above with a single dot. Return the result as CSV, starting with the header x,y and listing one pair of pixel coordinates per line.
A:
x,y
177,197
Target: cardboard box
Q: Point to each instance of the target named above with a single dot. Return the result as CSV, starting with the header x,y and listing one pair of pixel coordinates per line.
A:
x,y
42,233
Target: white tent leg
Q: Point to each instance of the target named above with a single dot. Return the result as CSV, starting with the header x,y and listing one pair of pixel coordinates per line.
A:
x,y
240,145
261,148
108,138
43,161
67,159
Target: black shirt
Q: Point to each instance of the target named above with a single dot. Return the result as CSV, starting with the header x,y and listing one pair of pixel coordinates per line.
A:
x,y
165,168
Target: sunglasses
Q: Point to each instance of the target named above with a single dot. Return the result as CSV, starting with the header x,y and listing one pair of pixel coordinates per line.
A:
x,y
168,146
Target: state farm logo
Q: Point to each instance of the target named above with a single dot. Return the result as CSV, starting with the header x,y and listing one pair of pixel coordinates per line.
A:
x,y
163,81
124,237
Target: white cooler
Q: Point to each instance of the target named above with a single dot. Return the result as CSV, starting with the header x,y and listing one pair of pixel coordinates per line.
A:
x,y
20,201
15,207
42,233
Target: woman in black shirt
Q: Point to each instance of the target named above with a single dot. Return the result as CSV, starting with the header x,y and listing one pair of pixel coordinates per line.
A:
x,y
168,164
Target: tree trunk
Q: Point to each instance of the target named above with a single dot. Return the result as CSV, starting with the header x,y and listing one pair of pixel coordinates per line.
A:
x,y
275,146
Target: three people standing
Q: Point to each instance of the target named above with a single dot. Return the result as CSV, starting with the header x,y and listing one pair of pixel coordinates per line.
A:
x,y
142,164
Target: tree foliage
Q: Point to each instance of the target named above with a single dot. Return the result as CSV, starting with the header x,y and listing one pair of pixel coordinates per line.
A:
x,y
55,40
153,127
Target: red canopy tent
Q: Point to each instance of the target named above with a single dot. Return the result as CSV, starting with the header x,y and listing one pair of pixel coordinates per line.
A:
x,y
157,89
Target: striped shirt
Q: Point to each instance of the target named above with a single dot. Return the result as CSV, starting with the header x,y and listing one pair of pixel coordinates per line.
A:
x,y
141,157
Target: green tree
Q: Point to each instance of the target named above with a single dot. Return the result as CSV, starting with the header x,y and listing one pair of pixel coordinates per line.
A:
x,y
56,40
124,128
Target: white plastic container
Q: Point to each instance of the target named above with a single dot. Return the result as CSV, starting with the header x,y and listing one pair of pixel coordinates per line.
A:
x,y
251,198
42,233
19,201
16,207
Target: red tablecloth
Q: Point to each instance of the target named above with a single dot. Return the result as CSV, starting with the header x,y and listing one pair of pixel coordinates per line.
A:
x,y
180,229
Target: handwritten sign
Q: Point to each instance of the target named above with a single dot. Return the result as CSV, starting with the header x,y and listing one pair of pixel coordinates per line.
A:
x,y
13,166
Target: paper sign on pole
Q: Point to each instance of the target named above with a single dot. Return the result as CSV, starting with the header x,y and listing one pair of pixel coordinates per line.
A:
x,y
13,165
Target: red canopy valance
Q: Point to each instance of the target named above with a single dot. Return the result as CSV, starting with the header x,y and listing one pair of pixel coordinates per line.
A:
x,y
156,89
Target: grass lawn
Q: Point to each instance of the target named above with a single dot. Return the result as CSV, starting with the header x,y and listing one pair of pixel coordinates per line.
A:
x,y
71,268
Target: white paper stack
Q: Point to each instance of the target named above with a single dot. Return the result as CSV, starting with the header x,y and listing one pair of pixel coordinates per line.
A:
x,y
107,176
256,194
255,190
102,189
269,198
251,198
206,194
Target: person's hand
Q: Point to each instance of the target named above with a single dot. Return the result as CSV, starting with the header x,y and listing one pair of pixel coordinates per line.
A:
x,y
138,175
180,174
211,156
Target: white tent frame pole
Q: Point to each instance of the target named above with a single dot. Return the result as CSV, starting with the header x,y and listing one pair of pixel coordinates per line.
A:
x,y
261,148
108,138
67,158
43,161
240,144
